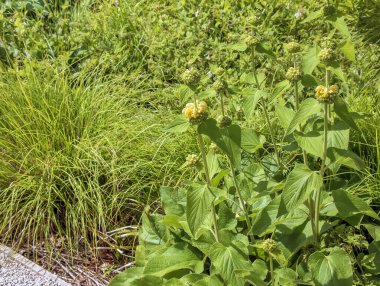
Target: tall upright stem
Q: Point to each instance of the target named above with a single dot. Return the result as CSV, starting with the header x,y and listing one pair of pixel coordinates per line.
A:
x,y
208,180
271,269
222,101
322,170
241,201
310,202
265,108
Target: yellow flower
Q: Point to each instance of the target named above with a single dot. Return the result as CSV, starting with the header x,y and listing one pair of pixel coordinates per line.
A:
x,y
324,94
333,89
195,112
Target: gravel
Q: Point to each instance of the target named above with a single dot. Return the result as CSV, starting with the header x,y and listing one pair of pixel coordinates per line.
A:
x,y
16,270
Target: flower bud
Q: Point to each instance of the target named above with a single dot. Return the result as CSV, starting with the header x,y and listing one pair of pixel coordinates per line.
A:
x,y
192,160
191,76
219,86
251,41
292,47
269,245
326,55
224,121
219,71
213,148
293,74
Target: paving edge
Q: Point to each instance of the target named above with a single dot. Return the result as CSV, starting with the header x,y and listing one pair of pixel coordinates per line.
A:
x,y
12,255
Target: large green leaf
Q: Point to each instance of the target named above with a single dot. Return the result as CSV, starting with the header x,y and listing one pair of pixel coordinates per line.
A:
x,y
331,270
341,26
265,220
178,125
173,200
338,135
153,232
228,139
227,259
263,48
285,115
308,107
226,218
184,92
213,164
135,277
239,47
301,182
213,280
257,275
345,157
250,100
336,69
349,205
198,206
311,142
341,110
373,230
309,80
172,258
251,141
372,261
348,50
310,60
232,138
285,277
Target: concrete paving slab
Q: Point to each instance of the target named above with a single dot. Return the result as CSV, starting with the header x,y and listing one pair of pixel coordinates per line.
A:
x,y
16,270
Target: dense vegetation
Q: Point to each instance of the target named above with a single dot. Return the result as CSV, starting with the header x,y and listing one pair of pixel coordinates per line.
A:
x,y
269,177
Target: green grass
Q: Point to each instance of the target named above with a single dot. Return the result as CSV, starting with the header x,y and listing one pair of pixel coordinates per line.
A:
x,y
78,158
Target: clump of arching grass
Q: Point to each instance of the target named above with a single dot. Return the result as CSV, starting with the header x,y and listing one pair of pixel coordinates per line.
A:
x,y
77,157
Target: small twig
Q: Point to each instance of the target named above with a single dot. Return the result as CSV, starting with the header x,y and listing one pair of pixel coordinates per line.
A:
x,y
129,264
99,283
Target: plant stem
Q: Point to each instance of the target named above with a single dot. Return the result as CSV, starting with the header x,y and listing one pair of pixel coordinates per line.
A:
x,y
241,201
304,154
296,96
271,269
222,102
322,170
265,109
208,180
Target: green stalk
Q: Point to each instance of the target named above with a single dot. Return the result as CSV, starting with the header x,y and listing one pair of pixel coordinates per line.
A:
x,y
271,269
208,180
265,109
322,170
241,201
222,102
309,199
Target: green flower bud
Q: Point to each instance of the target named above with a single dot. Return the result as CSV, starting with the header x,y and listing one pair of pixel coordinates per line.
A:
x,y
326,55
293,74
292,47
269,245
219,86
219,71
192,160
252,20
224,121
251,41
213,148
191,76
